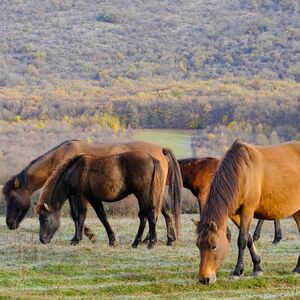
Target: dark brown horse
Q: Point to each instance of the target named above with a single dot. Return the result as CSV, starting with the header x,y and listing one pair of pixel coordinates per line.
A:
x,y
197,174
20,187
250,182
105,179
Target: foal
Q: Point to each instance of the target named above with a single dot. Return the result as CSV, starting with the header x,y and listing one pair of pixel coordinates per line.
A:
x,y
97,179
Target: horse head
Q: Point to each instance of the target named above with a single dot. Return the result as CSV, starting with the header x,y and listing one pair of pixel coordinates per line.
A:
x,y
17,197
49,222
213,243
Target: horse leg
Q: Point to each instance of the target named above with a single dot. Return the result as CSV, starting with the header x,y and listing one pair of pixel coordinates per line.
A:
x,y
296,217
78,213
256,234
138,238
278,233
257,271
152,227
100,211
87,231
166,212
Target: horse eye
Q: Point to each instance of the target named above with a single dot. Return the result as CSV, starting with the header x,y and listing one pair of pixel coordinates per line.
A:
x,y
212,247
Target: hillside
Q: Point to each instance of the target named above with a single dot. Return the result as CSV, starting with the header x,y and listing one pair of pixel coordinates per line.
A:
x,y
45,43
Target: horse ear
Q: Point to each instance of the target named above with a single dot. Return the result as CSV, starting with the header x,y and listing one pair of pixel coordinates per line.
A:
x,y
196,222
17,183
213,226
47,208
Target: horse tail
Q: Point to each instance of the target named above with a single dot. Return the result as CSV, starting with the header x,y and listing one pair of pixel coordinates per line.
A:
x,y
175,187
156,185
54,184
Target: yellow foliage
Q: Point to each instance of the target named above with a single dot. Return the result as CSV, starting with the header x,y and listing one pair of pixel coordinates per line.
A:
x,y
233,125
211,136
89,140
18,119
67,119
41,124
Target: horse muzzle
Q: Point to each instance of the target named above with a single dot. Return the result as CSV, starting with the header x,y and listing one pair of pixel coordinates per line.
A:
x,y
44,240
12,223
208,280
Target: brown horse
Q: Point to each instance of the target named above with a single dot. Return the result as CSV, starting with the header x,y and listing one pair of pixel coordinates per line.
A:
x,y
20,187
197,174
250,182
109,179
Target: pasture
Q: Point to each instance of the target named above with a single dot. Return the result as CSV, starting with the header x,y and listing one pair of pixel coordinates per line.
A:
x,y
31,270
177,140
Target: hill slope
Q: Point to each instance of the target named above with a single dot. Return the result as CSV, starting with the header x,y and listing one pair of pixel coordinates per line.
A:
x,y
48,42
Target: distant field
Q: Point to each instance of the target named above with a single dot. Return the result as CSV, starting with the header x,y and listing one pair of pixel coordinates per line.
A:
x,y
178,140
30,270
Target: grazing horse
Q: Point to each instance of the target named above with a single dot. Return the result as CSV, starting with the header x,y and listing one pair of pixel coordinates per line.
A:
x,y
19,188
197,174
108,179
250,182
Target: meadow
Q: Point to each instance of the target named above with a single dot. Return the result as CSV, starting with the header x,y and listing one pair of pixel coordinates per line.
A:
x,y
31,270
177,140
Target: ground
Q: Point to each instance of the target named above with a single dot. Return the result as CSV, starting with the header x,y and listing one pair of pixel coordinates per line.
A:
x,y
31,270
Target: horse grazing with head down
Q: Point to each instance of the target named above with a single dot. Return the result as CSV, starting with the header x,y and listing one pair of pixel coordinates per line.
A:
x,y
197,174
104,179
19,188
250,181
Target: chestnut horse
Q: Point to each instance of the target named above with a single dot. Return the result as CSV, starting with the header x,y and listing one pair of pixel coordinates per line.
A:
x,y
19,188
108,179
250,182
197,174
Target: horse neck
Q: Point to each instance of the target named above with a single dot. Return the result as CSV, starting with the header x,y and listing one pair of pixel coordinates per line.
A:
x,y
186,169
40,170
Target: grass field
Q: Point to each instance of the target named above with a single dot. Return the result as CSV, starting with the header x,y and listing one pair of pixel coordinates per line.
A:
x,y
177,140
30,270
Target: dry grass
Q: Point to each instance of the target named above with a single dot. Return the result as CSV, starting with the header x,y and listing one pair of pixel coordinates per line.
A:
x,y
30,270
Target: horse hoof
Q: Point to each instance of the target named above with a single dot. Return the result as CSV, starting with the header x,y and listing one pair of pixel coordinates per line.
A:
x,y
234,277
113,243
257,274
151,245
170,242
74,242
135,244
296,273
276,241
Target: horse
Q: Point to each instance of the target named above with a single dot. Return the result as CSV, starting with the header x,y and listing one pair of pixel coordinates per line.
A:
x,y
109,179
250,182
19,188
197,174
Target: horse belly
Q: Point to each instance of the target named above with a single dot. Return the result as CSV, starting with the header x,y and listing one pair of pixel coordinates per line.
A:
x,y
275,206
109,188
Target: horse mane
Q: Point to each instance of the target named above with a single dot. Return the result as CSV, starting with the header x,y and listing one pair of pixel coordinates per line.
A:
x,y
45,154
23,175
51,185
224,188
